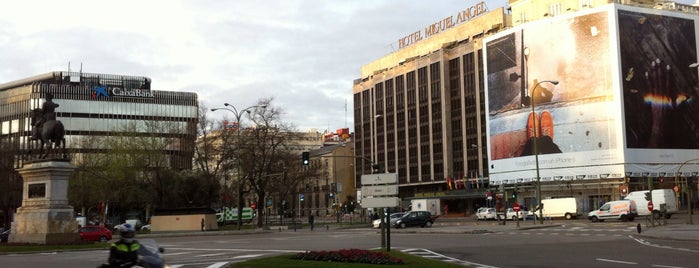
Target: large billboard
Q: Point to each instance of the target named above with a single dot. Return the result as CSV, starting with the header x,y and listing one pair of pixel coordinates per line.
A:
x,y
580,96
660,91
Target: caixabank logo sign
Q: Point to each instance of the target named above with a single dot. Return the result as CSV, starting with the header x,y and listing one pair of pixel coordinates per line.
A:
x,y
103,92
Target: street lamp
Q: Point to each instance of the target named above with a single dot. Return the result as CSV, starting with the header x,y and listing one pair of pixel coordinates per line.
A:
x,y
238,114
686,185
375,148
537,131
480,162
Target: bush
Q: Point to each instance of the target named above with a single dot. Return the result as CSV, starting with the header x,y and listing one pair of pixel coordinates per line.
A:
x,y
349,255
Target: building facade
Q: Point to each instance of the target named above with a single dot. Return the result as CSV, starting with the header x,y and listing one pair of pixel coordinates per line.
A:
x,y
452,113
95,106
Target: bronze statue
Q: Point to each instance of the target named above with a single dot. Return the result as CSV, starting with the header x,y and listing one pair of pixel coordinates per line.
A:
x,y
47,129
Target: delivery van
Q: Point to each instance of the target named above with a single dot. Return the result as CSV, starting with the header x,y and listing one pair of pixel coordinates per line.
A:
x,y
663,199
624,210
560,207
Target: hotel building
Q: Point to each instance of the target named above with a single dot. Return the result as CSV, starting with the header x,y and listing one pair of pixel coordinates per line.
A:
x,y
477,107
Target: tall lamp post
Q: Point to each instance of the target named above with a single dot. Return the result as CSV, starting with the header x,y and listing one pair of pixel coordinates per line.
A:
x,y
686,189
238,114
537,131
480,163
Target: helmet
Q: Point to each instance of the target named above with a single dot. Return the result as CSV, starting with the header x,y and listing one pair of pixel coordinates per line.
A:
x,y
126,231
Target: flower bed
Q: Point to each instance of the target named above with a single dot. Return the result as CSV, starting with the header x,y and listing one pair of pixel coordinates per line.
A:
x,y
349,255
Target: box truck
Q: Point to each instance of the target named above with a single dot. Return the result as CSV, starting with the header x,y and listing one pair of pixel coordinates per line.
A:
x,y
560,207
432,205
663,199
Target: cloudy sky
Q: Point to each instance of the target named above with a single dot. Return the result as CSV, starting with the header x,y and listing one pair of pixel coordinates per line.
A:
x,y
303,53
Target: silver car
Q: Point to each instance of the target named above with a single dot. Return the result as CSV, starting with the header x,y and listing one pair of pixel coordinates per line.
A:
x,y
394,217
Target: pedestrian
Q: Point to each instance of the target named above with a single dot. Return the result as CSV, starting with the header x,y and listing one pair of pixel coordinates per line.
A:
x,y
311,220
203,224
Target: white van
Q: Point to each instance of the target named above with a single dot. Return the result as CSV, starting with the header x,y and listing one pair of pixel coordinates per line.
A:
x,y
662,199
560,207
624,210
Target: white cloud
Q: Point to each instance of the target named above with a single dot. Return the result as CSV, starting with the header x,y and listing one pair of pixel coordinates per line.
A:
x,y
305,54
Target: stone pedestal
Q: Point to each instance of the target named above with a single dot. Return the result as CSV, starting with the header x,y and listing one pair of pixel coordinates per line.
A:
x,y
45,216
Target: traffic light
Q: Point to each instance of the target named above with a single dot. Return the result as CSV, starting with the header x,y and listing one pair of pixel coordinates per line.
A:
x,y
305,158
514,195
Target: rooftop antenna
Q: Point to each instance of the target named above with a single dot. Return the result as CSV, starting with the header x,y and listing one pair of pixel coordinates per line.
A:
x,y
68,66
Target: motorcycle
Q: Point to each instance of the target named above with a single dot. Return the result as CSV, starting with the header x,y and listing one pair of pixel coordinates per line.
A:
x,y
149,256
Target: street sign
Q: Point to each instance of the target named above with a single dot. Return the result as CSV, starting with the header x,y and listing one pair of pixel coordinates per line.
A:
x,y
516,207
380,202
380,190
382,178
650,205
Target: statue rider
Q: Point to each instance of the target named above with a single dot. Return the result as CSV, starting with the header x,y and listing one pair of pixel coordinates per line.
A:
x,y
48,112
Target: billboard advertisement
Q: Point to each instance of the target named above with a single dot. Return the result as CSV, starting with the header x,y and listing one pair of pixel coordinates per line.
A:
x,y
605,92
660,107
552,103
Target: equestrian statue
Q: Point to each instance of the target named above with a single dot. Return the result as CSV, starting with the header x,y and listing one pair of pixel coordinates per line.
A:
x,y
47,130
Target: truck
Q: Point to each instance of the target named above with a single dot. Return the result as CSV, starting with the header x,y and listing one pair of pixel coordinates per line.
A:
x,y
432,205
229,215
663,199
560,207
624,210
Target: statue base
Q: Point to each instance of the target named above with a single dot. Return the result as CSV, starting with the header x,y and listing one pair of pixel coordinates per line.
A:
x,y
45,216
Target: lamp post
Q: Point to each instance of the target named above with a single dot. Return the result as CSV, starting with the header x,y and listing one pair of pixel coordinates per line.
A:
x,y
480,162
686,188
537,131
238,114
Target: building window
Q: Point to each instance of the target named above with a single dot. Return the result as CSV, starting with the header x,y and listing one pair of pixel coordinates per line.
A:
x,y
555,9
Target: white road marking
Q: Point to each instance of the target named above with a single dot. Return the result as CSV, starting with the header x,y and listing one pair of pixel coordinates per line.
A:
x,y
212,255
178,253
248,256
615,261
666,266
217,265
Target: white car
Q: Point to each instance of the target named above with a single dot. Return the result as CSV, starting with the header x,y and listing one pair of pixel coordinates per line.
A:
x,y
394,217
485,214
511,214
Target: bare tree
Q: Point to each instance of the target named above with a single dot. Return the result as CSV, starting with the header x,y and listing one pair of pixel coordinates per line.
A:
x,y
266,151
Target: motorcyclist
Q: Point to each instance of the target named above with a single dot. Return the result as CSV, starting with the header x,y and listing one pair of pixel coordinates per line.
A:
x,y
124,253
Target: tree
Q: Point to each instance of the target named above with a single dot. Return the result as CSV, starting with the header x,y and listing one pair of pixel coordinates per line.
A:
x,y
266,150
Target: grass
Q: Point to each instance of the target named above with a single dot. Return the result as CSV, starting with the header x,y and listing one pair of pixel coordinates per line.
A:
x,y
285,261
15,248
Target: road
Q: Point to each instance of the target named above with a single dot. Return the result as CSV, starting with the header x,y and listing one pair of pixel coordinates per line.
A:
x,y
569,244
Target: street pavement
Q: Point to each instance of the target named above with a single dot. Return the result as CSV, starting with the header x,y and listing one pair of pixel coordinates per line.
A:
x,y
677,228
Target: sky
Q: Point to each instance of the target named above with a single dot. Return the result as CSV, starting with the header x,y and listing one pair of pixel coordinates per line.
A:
x,y
304,54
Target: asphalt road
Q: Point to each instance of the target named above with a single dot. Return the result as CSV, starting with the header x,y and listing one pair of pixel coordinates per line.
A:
x,y
573,244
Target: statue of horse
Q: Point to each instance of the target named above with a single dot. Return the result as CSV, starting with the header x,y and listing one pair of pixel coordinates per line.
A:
x,y
50,133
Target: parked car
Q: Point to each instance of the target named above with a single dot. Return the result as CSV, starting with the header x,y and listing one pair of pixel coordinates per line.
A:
x,y
511,214
5,235
485,214
95,233
393,218
415,218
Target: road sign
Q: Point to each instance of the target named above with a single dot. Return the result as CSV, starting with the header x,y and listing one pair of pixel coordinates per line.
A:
x,y
383,178
380,202
380,190
650,205
516,207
